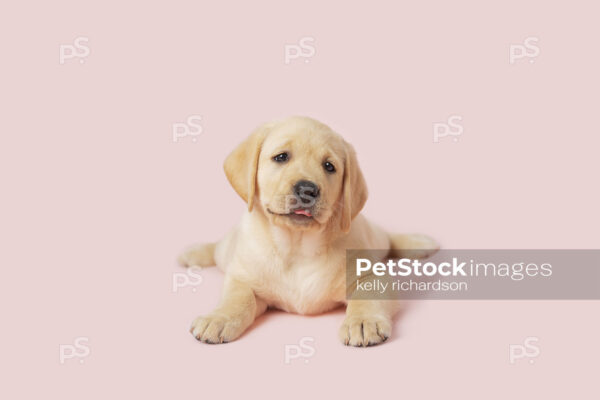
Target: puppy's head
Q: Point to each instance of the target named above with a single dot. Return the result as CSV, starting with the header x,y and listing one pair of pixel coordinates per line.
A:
x,y
300,173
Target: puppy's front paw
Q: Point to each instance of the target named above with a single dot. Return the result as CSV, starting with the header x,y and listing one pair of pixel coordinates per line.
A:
x,y
216,328
365,331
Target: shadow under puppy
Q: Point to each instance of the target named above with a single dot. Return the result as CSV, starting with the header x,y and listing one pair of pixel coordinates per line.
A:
x,y
304,191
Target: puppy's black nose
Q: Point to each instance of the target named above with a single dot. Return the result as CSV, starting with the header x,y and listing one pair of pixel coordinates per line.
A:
x,y
306,191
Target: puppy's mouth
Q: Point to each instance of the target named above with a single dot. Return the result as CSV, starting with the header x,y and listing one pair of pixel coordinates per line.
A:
x,y
298,215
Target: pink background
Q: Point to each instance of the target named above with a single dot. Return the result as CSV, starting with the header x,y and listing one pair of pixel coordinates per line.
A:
x,y
97,200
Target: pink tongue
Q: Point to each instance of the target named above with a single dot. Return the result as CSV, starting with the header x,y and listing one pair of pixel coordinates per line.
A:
x,y
303,212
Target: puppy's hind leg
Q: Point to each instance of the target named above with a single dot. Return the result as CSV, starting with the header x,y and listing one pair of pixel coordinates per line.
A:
x,y
412,246
201,255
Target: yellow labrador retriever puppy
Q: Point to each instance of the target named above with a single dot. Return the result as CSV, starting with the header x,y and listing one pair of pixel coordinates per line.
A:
x,y
304,191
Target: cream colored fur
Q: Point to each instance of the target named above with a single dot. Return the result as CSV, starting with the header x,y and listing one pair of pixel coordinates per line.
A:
x,y
272,260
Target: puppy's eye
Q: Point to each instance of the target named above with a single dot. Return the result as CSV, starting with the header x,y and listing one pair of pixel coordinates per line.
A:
x,y
283,157
329,167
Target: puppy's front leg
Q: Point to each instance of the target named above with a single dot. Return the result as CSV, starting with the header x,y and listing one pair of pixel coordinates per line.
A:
x,y
368,322
238,309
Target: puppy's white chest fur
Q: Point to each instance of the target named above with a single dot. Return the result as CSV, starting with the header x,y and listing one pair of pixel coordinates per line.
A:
x,y
297,275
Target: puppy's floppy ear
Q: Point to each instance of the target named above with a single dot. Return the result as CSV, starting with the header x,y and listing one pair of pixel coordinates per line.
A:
x,y
354,190
242,164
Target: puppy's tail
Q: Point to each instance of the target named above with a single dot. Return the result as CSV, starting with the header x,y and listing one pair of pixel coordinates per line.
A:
x,y
201,255
415,246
